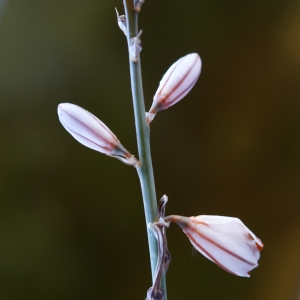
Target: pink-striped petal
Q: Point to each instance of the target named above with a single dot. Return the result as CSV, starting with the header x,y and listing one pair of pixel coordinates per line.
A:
x,y
92,133
176,83
224,240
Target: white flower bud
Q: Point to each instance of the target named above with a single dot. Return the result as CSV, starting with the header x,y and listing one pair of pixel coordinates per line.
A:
x,y
92,133
224,240
176,83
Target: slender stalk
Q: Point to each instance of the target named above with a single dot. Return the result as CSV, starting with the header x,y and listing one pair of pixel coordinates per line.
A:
x,y
145,170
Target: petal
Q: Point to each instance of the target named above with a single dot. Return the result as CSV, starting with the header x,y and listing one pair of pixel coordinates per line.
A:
x,y
224,240
234,253
86,128
177,82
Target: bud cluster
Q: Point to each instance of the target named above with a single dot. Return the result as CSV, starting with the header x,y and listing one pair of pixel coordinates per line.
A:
x,y
226,241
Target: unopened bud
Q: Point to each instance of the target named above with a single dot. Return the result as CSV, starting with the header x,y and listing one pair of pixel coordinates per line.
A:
x,y
92,133
176,83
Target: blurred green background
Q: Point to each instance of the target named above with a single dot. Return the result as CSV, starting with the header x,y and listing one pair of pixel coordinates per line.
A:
x,y
71,220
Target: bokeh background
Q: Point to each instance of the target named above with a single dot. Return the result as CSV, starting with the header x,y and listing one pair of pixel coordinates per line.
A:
x,y
71,220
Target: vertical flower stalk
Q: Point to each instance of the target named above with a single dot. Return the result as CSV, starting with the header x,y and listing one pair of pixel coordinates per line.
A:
x,y
224,240
145,170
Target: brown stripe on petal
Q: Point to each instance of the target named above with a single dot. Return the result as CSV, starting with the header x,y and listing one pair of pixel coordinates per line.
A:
x,y
160,104
106,150
258,246
188,88
106,134
169,75
210,256
182,79
221,247
195,221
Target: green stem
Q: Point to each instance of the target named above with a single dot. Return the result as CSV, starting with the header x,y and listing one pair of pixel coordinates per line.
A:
x,y
145,170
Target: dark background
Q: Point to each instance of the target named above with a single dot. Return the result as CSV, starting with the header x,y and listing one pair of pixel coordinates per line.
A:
x,y
71,220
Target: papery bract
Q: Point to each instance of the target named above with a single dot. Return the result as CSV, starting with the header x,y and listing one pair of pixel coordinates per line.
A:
x,y
176,83
224,240
92,133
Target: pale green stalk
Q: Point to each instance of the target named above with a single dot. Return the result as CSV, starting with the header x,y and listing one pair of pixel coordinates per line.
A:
x,y
145,170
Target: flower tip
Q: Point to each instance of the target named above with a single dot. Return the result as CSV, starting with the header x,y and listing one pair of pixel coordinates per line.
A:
x,y
64,109
60,108
260,245
195,60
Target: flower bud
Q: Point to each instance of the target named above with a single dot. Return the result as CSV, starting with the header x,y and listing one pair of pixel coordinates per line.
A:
x,y
92,133
224,240
176,83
